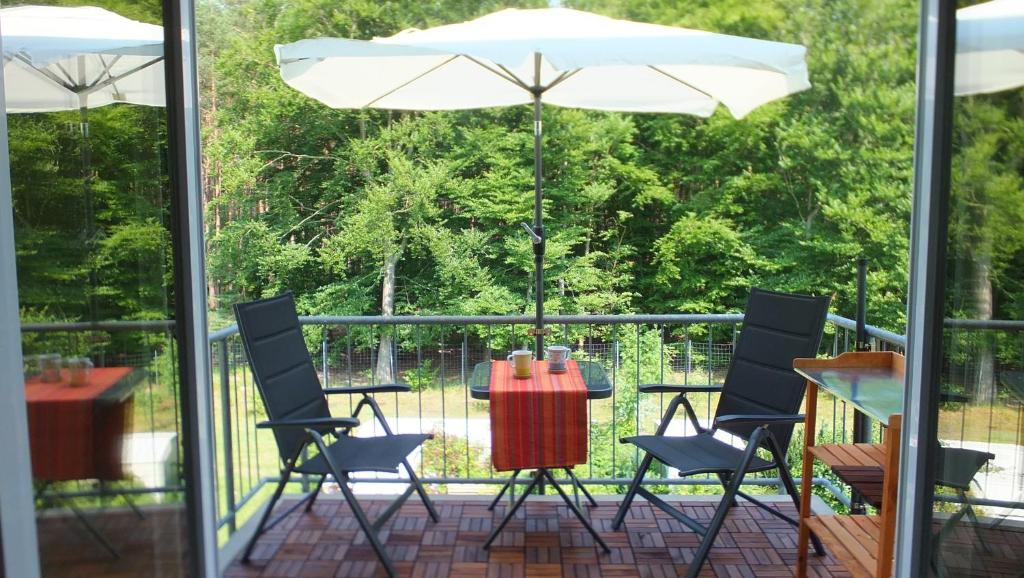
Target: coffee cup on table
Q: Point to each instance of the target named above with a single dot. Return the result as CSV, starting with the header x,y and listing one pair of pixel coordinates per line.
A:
x,y
521,360
558,356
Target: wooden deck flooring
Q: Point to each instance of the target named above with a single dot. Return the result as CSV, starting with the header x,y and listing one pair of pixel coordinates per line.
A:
x,y
546,542
151,547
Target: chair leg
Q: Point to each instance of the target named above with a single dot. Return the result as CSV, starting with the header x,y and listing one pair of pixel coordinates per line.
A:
x,y
285,474
787,481
418,485
316,492
641,471
620,516
724,480
973,518
367,527
723,506
504,489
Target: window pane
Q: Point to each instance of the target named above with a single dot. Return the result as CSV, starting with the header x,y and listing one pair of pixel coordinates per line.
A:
x,y
980,472
87,130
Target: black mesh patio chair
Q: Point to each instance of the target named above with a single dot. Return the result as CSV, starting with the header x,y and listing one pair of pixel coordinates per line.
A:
x,y
759,402
296,406
955,468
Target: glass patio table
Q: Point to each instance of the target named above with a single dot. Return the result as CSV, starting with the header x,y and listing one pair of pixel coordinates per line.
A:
x,y
594,377
598,387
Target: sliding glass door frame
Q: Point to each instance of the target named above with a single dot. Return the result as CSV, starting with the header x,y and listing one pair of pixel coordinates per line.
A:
x,y
925,311
17,507
190,283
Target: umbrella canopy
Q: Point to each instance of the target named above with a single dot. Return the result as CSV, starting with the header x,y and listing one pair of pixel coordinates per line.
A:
x,y
989,47
58,58
577,59
557,55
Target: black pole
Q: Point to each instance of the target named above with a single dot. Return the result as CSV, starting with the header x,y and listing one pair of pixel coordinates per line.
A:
x,y
861,422
538,225
90,219
862,305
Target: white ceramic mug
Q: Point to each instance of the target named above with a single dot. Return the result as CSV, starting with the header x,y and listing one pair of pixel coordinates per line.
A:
x,y
520,360
558,355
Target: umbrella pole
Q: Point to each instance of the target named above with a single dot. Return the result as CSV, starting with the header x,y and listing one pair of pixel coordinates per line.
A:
x,y
90,225
538,225
86,152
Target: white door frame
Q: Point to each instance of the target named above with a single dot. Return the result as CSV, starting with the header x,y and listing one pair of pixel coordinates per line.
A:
x,y
17,505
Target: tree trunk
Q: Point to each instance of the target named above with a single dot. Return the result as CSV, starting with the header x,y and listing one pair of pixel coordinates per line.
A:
x,y
984,373
212,177
385,367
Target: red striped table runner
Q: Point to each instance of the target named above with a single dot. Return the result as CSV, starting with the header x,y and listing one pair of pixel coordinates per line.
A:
x,y
540,421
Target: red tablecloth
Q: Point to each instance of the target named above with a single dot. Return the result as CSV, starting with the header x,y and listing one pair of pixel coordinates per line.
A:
x,y
75,433
538,422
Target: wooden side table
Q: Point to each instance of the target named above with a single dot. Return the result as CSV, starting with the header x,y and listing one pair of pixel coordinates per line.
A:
x,y
873,383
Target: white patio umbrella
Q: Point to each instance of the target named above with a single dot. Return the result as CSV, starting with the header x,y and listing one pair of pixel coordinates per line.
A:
x,y
557,55
66,58
989,47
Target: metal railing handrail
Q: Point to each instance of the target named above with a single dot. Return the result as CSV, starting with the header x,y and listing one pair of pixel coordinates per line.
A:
x,y
106,326
670,318
871,330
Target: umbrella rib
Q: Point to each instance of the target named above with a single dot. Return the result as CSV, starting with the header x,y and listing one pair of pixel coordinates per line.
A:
x,y
561,78
67,75
681,81
45,73
508,75
408,82
93,88
106,69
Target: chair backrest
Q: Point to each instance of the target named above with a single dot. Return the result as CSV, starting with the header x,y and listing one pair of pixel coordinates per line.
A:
x,y
281,366
777,328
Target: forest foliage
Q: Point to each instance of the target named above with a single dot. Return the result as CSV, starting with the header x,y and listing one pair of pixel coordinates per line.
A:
x,y
647,213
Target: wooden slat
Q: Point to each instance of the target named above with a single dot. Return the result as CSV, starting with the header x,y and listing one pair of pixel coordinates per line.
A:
x,y
868,455
867,482
859,452
851,539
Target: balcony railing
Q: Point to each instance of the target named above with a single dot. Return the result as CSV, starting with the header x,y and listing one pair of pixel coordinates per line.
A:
x,y
436,355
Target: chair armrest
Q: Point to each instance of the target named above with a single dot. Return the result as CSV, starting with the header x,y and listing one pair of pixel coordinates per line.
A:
x,y
767,419
678,388
382,388
315,423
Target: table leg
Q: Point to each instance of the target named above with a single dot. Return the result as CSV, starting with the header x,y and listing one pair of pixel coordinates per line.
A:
x,y
511,482
576,482
512,511
583,520
890,492
806,477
